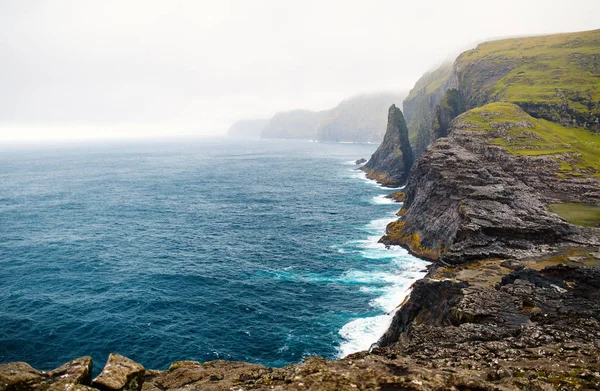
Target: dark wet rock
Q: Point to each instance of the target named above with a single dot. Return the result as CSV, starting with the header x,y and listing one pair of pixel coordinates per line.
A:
x,y
431,301
120,373
360,161
391,162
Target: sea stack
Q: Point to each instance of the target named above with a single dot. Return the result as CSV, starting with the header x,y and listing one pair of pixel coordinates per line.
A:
x,y
391,162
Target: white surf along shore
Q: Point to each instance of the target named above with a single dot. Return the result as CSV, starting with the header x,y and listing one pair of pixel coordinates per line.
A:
x,y
391,284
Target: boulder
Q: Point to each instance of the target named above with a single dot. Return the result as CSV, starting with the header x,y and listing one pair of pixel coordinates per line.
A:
x,y
20,376
76,372
120,373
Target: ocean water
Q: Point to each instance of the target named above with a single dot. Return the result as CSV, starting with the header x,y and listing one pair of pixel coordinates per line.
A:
x,y
261,251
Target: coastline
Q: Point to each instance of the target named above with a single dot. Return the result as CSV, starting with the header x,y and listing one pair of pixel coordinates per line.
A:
x,y
362,333
488,325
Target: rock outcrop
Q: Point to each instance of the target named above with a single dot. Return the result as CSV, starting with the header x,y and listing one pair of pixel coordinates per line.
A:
x,y
392,161
120,373
469,198
19,376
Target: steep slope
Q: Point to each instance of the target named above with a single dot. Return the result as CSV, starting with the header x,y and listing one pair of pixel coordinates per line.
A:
x,y
392,161
247,128
482,192
358,119
421,104
555,77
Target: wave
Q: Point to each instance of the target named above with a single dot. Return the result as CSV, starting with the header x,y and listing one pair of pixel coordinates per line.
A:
x,y
359,174
382,199
390,284
358,333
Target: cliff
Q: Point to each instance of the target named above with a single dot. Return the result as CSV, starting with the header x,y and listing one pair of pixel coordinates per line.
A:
x,y
483,191
421,104
506,204
358,119
247,128
393,159
554,77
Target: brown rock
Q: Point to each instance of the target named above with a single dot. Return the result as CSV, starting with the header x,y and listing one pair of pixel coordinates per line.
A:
x,y
71,387
398,196
120,373
20,376
76,372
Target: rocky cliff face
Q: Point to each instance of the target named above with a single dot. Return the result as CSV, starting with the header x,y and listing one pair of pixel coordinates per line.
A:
x,y
420,106
469,198
391,162
483,327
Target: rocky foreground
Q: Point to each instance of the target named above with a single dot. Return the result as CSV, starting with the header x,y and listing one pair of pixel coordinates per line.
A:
x,y
485,326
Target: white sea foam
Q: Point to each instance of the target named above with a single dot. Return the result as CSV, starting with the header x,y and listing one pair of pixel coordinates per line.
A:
x,y
391,284
377,226
382,199
358,333
359,174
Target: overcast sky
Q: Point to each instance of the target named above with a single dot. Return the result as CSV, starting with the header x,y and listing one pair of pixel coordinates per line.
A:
x,y
88,69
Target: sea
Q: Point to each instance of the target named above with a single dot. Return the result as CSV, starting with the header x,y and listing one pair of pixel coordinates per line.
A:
x,y
263,251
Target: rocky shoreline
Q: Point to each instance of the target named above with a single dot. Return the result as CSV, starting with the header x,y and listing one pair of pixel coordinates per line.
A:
x,y
527,322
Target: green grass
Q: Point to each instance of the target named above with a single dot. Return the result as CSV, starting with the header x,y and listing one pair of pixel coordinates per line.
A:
x,y
579,214
577,150
547,69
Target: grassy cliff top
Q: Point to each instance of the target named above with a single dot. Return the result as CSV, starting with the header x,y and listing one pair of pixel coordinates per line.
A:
x,y
545,68
577,149
431,81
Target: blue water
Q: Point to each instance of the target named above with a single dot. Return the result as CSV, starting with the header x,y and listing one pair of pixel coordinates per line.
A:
x,y
261,251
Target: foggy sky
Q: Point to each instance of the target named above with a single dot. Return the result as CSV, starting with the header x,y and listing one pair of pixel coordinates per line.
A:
x,y
89,69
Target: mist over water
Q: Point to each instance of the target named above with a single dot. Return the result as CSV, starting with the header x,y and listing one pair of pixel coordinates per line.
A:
x,y
259,251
